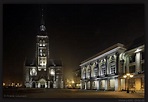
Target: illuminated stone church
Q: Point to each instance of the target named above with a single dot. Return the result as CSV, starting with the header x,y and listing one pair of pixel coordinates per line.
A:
x,y
43,72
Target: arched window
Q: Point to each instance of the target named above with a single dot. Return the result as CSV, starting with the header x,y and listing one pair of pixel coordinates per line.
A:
x,y
43,42
103,67
112,64
88,72
40,43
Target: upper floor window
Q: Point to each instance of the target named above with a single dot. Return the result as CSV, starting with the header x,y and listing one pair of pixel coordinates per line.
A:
x,y
103,70
113,69
103,67
142,55
88,72
42,43
132,69
112,59
84,71
33,72
132,58
95,71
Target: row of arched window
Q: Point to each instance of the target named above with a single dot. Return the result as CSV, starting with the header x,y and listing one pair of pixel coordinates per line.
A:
x,y
99,68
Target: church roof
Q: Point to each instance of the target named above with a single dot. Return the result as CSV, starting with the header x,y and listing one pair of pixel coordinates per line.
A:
x,y
30,62
104,51
51,62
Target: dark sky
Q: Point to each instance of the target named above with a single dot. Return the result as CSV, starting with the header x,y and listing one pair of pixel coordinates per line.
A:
x,y
76,32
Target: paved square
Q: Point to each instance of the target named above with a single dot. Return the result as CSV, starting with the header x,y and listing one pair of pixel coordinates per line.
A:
x,y
68,93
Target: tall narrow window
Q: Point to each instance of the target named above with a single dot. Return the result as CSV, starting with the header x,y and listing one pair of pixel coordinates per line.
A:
x,y
103,67
112,65
43,42
132,69
132,58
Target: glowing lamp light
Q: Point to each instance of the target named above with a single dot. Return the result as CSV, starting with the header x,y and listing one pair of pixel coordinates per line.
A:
x,y
131,76
128,74
73,82
4,84
124,76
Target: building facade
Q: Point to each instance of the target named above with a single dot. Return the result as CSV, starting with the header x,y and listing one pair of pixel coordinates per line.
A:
x,y
43,72
105,70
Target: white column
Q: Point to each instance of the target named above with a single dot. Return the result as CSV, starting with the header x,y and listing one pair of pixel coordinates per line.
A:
x,y
99,71
81,84
82,73
117,84
138,60
127,64
106,84
48,84
62,84
108,65
38,85
54,84
98,84
91,70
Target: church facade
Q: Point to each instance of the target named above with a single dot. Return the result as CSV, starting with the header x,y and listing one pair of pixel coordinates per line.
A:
x,y
43,72
105,70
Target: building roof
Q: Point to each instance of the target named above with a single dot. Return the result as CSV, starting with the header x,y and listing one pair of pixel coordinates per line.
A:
x,y
136,43
104,51
30,62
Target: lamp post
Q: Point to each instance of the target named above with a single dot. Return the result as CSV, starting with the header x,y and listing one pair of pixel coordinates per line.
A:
x,y
128,76
73,84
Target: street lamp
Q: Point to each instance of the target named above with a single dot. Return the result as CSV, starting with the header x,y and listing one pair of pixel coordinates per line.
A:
x,y
72,82
128,76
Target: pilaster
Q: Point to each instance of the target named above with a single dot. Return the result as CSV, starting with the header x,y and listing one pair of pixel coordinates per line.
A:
x,y
138,61
117,84
107,84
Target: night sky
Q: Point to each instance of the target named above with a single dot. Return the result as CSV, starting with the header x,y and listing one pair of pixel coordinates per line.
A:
x,y
76,32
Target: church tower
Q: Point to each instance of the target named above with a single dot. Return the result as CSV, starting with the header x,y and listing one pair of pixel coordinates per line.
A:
x,y
42,47
43,72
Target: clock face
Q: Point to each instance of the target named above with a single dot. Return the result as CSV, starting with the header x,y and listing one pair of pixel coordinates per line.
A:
x,y
33,72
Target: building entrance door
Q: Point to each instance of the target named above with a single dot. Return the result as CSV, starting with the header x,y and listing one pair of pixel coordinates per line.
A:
x,y
42,83
33,85
42,86
51,84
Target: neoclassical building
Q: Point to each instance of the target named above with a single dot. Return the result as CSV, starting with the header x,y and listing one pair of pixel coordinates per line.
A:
x,y
43,72
105,70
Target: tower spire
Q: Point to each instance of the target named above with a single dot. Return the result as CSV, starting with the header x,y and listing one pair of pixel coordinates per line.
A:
x,y
42,19
42,26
